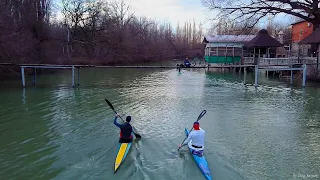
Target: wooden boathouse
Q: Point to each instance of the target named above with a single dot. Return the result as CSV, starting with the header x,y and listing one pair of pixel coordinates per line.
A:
x,y
225,48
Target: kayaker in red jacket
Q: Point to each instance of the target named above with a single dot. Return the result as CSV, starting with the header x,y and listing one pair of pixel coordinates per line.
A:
x,y
195,140
125,130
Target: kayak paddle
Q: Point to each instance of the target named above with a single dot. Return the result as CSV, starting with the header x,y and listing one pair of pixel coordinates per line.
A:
x,y
109,103
199,117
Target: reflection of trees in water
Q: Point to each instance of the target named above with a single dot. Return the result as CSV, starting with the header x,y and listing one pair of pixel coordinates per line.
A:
x,y
26,136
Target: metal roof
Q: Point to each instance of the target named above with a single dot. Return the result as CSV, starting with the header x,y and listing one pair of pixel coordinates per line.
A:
x,y
297,22
228,38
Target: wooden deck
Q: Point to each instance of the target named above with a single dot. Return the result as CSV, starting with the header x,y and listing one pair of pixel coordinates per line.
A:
x,y
265,64
281,61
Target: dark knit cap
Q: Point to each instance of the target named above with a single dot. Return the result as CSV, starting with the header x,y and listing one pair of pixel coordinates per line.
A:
x,y
128,119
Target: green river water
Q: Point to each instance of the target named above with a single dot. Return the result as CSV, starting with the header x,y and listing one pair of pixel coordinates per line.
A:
x,y
54,131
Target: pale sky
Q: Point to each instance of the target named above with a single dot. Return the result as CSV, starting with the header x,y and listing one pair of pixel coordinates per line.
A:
x,y
181,11
172,11
177,11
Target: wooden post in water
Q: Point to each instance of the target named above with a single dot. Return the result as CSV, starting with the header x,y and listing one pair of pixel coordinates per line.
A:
x,y
245,74
72,76
22,77
256,76
291,77
304,75
34,76
24,95
258,61
254,54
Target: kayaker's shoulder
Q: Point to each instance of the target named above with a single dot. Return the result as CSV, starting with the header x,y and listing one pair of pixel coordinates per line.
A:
x,y
202,130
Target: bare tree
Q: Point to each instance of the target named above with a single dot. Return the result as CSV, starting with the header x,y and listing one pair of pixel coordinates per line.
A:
x,y
228,26
252,11
91,31
194,32
23,25
199,33
276,27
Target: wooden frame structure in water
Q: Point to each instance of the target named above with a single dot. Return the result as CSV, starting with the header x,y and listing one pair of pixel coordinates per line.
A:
x,y
303,68
47,67
257,69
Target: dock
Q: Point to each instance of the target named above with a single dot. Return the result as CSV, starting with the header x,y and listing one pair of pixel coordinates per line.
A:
x,y
257,69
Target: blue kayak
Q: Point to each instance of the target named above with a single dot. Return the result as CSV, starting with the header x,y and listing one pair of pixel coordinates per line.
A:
x,y
201,162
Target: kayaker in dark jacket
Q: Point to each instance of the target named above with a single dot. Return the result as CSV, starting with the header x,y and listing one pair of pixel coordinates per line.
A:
x,y
125,130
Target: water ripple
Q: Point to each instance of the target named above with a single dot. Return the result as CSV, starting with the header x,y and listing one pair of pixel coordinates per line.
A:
x,y
54,131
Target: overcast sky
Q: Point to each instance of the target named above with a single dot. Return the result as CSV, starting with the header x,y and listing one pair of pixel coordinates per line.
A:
x,y
172,11
175,11
181,11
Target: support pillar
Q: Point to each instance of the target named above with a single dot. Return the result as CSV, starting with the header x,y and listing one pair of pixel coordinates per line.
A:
x,y
34,76
291,78
72,76
22,77
78,75
256,76
245,74
304,75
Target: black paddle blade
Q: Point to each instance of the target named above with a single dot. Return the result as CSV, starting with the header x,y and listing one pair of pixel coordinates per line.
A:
x,y
137,135
201,114
109,103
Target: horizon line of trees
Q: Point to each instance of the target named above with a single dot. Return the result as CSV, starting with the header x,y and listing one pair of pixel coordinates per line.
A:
x,y
90,32
99,32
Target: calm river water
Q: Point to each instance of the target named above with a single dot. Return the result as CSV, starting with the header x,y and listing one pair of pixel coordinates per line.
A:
x,y
54,131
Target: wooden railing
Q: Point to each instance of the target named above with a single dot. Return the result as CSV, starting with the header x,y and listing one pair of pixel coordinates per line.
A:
x,y
281,61
248,60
